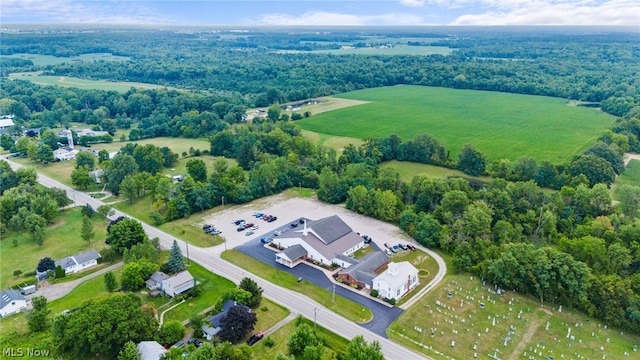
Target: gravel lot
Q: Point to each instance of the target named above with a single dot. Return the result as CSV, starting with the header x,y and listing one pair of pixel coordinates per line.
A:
x,y
288,209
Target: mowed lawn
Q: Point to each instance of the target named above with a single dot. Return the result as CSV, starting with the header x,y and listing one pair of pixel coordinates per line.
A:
x,y
408,170
61,239
439,319
500,125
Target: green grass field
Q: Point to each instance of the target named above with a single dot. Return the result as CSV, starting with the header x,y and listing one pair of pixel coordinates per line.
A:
x,y
333,342
630,175
61,239
500,125
342,306
69,81
460,318
408,170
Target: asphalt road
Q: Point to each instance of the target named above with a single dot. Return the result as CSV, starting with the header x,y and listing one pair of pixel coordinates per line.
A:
x,y
295,302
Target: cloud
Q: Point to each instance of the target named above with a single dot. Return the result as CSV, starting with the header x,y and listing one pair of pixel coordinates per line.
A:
x,y
413,3
324,18
73,11
554,12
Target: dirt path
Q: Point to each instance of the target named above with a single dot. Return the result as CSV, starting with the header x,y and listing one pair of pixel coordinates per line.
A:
x,y
526,337
629,156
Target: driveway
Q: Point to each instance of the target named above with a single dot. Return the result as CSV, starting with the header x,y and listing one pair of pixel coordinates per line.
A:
x,y
383,315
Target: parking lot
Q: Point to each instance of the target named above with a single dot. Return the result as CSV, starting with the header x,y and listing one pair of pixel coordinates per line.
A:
x,y
290,211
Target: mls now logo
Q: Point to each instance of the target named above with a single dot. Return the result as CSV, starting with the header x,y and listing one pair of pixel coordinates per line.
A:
x,y
20,352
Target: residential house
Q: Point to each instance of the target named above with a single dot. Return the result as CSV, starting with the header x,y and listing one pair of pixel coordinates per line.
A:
x,y
156,279
89,132
212,325
178,283
397,280
6,122
65,153
151,350
11,302
79,262
364,271
327,241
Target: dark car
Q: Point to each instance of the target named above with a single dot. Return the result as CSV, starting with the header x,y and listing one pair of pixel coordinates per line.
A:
x,y
387,246
241,228
206,226
403,246
266,240
366,238
255,338
411,247
302,221
272,219
195,342
294,224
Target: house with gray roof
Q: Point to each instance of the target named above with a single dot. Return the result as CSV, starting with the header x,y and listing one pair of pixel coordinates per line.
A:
x,y
212,326
365,270
150,350
79,262
6,122
327,241
11,302
178,283
156,279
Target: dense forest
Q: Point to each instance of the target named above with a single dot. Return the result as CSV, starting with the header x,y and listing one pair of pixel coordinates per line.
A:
x,y
571,246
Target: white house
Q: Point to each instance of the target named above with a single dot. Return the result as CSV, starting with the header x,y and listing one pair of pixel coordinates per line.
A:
x,y
79,262
65,153
156,279
329,240
6,121
89,132
178,283
150,350
11,302
397,280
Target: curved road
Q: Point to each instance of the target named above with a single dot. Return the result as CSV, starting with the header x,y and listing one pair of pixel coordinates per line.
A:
x,y
296,302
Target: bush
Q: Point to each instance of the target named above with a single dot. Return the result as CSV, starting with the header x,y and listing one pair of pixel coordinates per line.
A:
x,y
375,293
60,272
392,301
108,255
17,272
29,273
269,342
264,309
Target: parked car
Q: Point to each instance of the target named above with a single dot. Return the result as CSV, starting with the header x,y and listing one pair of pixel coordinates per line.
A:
x,y
195,342
206,226
266,240
394,248
255,338
403,246
249,233
272,219
255,227
387,245
240,228
301,221
366,238
277,233
179,344
293,224
267,217
411,247
387,251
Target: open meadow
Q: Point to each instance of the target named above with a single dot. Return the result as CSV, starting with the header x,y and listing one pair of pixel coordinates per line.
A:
x,y
69,81
500,125
464,318
18,251
408,170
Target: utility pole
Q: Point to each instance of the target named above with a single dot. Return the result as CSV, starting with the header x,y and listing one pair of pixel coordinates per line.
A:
x,y
188,261
315,318
333,295
223,203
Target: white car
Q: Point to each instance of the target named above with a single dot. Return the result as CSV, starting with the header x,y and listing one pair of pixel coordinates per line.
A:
x,y
255,227
249,233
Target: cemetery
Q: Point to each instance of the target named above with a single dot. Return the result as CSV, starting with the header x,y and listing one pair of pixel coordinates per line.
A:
x,y
467,318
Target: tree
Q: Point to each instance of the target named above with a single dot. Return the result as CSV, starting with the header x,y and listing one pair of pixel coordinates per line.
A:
x,y
6,142
471,161
121,320
110,281
87,232
236,324
197,169
119,167
358,349
256,291
629,197
106,211
148,249
46,264
45,154
196,324
123,233
85,159
134,274
176,260
596,169
37,318
129,352
300,339
171,332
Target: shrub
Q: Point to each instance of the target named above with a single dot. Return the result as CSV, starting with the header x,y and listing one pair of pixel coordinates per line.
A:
x,y
29,273
264,309
269,342
374,293
60,272
392,301
17,272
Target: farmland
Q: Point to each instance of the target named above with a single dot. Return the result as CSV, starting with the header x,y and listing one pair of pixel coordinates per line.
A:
x,y
500,125
68,81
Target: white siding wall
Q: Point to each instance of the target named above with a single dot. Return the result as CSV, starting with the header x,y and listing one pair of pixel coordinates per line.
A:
x,y
13,307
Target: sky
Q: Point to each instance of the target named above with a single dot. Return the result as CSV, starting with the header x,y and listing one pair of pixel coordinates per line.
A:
x,y
324,13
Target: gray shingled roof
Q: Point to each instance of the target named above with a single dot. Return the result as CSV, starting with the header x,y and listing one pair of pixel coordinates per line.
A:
x,y
364,270
294,252
7,296
329,229
87,256
215,319
150,350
